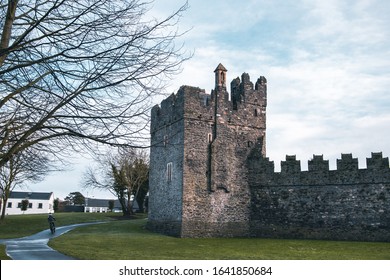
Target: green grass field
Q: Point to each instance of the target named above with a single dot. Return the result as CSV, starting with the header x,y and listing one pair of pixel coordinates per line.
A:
x,y
23,225
128,239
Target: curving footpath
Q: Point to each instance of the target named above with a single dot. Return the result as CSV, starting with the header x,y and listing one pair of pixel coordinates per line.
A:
x,y
34,247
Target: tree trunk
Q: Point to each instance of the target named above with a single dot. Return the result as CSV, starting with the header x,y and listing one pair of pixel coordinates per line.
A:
x,y
6,35
3,206
125,210
129,204
5,196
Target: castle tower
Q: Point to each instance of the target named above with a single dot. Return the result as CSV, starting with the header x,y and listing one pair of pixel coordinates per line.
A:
x,y
200,144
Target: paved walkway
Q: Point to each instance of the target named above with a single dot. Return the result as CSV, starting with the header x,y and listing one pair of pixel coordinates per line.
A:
x,y
35,247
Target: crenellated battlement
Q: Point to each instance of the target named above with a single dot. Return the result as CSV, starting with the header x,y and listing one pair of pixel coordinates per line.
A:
x,y
262,171
170,110
246,107
343,204
243,91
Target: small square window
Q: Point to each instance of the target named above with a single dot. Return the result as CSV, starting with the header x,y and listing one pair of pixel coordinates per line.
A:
x,y
9,205
40,205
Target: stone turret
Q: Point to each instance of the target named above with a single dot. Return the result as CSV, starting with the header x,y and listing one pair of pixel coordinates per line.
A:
x,y
220,76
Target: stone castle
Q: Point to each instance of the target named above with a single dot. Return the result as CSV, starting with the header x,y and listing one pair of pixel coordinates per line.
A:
x,y
209,175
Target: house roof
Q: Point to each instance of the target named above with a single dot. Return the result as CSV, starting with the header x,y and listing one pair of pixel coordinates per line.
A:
x,y
96,202
31,195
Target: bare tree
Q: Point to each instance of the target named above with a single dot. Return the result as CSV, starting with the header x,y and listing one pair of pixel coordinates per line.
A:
x,y
124,174
27,166
74,73
134,166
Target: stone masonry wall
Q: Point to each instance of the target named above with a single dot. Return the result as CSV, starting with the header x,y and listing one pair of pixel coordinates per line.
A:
x,y
218,139
165,194
343,204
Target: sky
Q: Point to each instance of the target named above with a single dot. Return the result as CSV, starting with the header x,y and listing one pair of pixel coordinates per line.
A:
x,y
327,65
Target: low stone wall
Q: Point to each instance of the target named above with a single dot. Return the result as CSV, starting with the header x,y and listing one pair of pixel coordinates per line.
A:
x,y
335,212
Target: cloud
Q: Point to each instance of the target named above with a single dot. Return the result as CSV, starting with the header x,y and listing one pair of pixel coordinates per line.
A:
x,y
350,28
327,64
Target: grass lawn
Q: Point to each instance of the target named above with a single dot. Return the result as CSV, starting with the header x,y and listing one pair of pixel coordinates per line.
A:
x,y
23,225
15,226
127,239
3,255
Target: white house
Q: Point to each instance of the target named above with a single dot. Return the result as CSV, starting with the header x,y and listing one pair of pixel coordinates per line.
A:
x,y
38,203
94,205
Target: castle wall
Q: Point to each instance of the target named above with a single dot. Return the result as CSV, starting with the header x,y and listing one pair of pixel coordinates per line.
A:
x,y
216,198
218,139
343,204
166,183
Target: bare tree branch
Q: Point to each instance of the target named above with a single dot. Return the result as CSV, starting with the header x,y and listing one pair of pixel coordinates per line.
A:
x,y
28,166
76,74
123,174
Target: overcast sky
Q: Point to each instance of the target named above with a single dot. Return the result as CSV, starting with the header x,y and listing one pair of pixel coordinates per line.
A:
x,y
327,64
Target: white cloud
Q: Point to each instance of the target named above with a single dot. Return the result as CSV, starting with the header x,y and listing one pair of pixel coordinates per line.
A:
x,y
350,27
327,64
